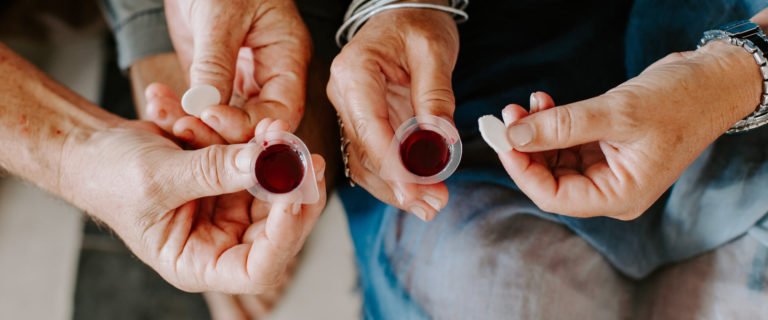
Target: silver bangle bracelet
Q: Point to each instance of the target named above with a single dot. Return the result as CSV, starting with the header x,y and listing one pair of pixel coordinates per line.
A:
x,y
360,11
760,116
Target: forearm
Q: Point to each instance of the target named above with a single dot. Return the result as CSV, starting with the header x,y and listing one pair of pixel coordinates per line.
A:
x,y
38,117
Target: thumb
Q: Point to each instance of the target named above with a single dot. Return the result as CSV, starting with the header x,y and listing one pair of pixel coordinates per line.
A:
x,y
561,127
215,170
431,88
214,59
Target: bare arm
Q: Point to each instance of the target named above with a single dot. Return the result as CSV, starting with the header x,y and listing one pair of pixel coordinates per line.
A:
x,y
37,118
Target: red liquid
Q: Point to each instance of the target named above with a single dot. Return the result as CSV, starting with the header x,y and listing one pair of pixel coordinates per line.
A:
x,y
279,168
424,153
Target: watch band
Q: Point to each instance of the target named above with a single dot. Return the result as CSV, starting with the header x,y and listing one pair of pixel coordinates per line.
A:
x,y
749,36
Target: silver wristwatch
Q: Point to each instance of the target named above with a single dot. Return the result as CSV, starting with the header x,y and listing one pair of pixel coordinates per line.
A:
x,y
749,36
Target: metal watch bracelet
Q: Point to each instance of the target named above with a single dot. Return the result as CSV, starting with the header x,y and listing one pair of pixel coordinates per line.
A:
x,y
760,116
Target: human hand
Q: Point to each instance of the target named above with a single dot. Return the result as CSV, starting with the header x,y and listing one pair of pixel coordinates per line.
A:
x,y
255,52
398,65
185,213
615,154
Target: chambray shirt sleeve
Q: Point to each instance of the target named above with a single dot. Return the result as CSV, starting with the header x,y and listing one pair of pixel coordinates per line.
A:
x,y
139,27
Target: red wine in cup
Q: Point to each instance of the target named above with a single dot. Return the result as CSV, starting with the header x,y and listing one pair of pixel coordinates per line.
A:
x,y
279,168
424,153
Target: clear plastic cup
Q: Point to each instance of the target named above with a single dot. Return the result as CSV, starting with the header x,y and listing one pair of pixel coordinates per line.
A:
x,y
425,150
282,171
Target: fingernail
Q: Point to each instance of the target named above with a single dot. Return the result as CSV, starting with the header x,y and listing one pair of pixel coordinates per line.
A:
x,y
211,120
187,135
506,114
520,134
432,201
399,196
243,160
534,103
296,208
419,212
320,175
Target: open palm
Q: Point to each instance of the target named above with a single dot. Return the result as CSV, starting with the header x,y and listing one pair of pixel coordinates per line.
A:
x,y
185,213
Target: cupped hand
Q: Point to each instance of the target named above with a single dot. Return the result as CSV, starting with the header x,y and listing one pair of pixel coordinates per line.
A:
x,y
616,154
185,213
255,52
398,65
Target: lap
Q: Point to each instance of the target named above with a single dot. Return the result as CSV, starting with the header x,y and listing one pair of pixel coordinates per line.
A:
x,y
492,254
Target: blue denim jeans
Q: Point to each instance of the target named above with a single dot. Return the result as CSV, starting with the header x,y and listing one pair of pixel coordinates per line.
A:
x,y
471,260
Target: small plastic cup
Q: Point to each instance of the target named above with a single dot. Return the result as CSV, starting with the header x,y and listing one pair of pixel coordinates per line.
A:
x,y
425,150
282,171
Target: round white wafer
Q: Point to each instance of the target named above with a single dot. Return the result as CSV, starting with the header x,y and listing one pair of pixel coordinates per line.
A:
x,y
198,98
494,133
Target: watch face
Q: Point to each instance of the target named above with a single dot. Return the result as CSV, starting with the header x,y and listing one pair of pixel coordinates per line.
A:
x,y
738,28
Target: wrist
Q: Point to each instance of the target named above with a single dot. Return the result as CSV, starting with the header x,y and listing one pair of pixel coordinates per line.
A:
x,y
357,16
440,2
739,78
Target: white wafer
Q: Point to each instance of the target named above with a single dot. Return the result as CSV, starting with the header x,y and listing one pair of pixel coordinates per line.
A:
x,y
494,133
200,97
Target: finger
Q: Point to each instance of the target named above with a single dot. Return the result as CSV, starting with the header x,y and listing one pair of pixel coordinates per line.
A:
x,y
590,154
163,106
562,127
223,306
424,201
285,232
275,85
431,88
211,171
195,133
228,209
233,124
216,45
311,212
157,89
357,90
269,124
540,101
271,79
579,195
262,127
570,193
567,163
279,125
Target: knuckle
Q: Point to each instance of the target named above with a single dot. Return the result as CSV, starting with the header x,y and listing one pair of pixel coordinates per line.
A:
x,y
430,40
437,99
212,64
151,185
563,124
624,109
341,65
362,159
365,160
338,66
208,169
360,130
